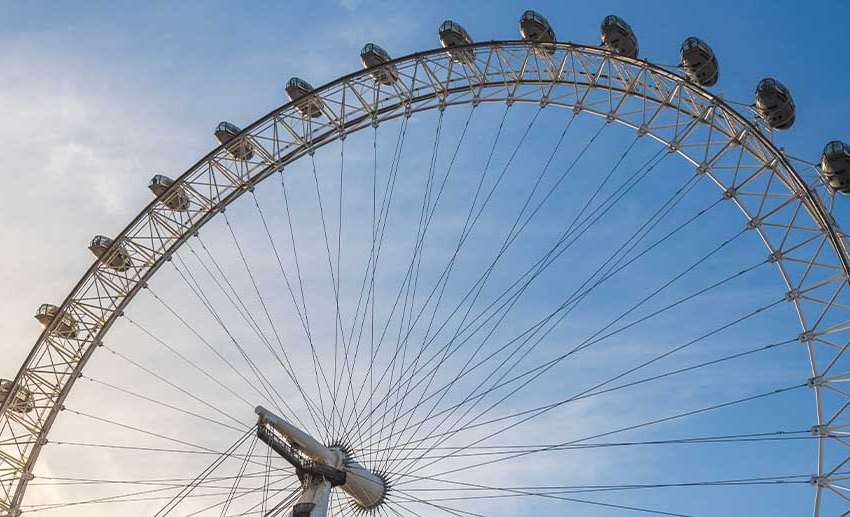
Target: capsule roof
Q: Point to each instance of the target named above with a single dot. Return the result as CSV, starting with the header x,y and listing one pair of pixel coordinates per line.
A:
x,y
529,16
614,20
769,83
46,309
694,42
100,241
836,148
450,26
371,48
534,27
297,82
161,180
227,127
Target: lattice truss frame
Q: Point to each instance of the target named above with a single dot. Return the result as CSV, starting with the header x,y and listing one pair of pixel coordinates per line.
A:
x,y
736,153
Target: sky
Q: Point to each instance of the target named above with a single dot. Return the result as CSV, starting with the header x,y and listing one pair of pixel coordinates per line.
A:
x,y
98,97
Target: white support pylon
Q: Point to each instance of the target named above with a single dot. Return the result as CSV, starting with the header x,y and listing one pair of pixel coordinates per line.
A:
x,y
315,497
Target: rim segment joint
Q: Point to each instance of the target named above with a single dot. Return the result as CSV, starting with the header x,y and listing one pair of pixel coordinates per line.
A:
x,y
738,138
816,382
821,430
807,336
673,146
819,481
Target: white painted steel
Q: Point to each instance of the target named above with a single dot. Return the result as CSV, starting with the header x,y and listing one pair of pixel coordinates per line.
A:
x,y
367,488
301,440
318,493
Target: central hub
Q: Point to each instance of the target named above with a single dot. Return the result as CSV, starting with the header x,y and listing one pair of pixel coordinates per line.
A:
x,y
319,468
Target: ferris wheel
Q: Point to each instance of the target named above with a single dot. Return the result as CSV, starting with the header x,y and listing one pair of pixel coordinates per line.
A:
x,y
520,277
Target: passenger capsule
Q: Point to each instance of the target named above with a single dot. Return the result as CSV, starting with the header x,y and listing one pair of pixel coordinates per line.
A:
x,y
699,62
22,400
241,150
774,104
373,56
835,166
177,200
535,28
453,35
618,37
119,260
300,92
66,328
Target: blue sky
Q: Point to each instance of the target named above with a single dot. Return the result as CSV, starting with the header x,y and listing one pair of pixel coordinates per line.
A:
x,y
99,96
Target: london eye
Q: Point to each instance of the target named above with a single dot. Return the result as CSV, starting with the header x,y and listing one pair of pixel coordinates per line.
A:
x,y
496,277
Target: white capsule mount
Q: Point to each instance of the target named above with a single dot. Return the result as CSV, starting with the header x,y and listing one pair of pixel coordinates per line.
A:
x,y
319,468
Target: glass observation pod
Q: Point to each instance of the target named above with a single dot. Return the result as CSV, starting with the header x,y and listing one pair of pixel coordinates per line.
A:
x,y
119,259
835,166
618,37
177,200
699,62
22,400
373,56
534,27
66,328
300,92
454,35
241,150
774,104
